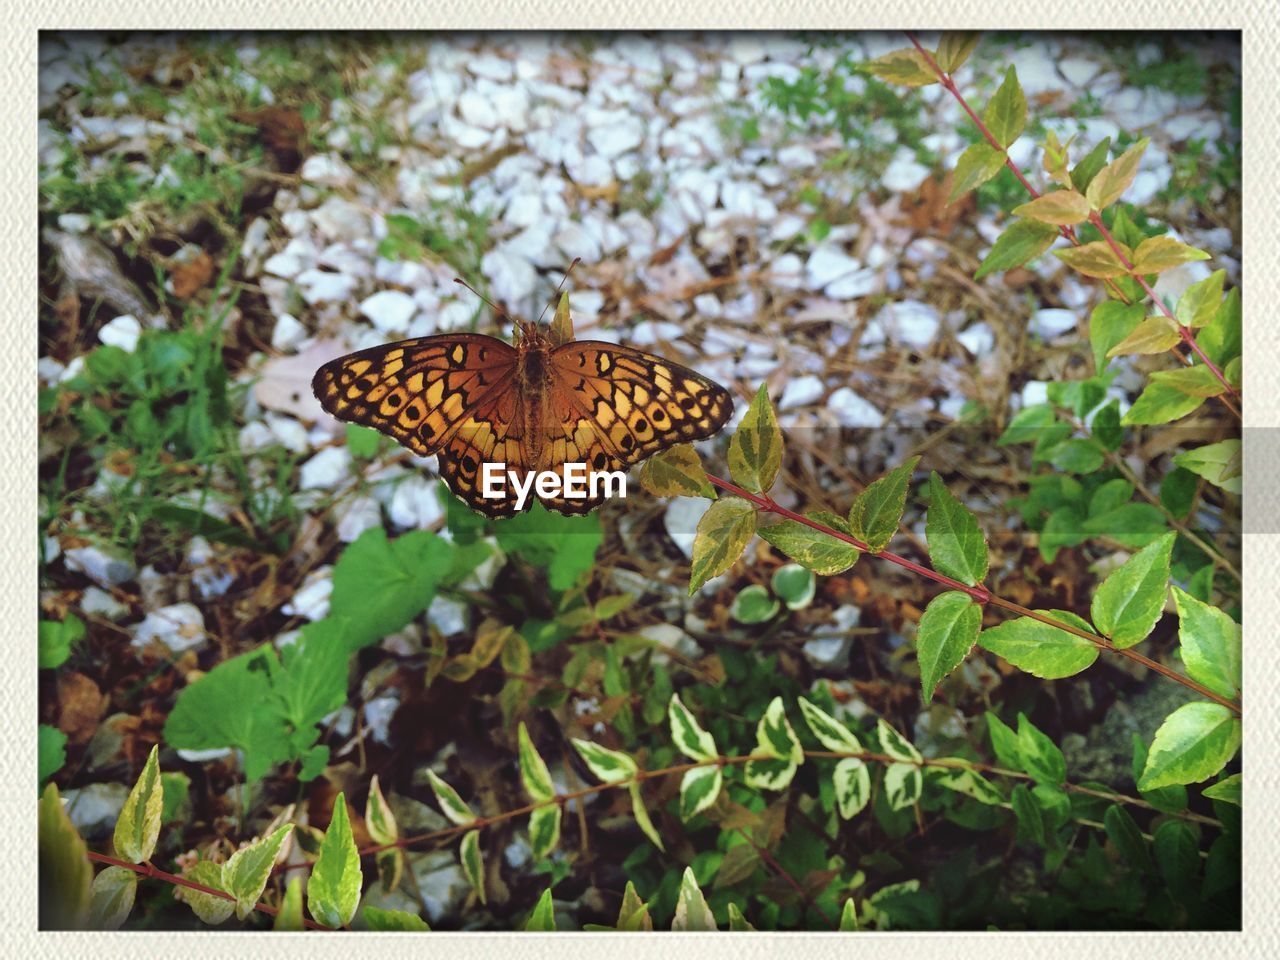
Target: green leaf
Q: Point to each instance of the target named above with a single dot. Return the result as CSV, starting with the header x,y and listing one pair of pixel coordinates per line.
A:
x,y
362,442
1160,404
533,769
723,533
1152,335
611,766
381,585
1039,649
676,472
699,788
831,733
903,785
1006,114
1021,241
848,917
472,864
245,873
378,817
1083,172
1227,790
544,830
1195,381
753,604
1210,644
209,907
852,783
1059,207
1106,426
1077,455
51,752
64,873
978,164
688,737
1114,179
1194,742
1031,823
1040,756
1027,425
1127,838
896,745
290,916
948,630
737,922
820,552
111,898
1158,254
1129,602
138,827
956,544
1200,302
451,805
755,451
1166,799
313,682
1219,463
692,912
1004,743
776,739
333,889
641,813
1221,338
633,915
794,584
1177,855
542,918
393,921
1110,324
56,640
955,48
565,546
876,512
972,784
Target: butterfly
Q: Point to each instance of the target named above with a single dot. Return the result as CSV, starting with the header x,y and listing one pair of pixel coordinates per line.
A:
x,y
548,400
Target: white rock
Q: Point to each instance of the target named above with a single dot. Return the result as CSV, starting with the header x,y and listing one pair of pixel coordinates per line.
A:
x,y
377,715
681,521
288,333
829,263
455,315
312,599
914,324
825,652
319,286
616,138
851,410
327,170
416,505
326,469
646,333
448,616
122,332
801,391
101,603
205,756
904,173
798,157
669,635
298,254
476,110
1053,322
854,285
513,278
95,807
49,370
389,310
341,219
291,434
357,516
1146,185
106,568
1034,392
75,222
1078,70
255,435
179,627
978,339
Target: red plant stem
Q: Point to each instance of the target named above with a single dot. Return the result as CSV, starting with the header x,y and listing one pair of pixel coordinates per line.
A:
x,y
1069,232
979,594
148,869
1184,332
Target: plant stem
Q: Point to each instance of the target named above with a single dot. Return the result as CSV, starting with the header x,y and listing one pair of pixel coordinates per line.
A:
x,y
979,594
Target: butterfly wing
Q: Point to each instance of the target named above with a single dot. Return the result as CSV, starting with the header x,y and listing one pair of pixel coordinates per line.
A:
x,y
418,392
491,433
613,406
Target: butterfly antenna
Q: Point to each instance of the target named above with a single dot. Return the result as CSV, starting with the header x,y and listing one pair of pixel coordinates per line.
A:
x,y
496,309
556,296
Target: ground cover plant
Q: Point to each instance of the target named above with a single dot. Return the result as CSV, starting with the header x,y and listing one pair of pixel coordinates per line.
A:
x,y
942,631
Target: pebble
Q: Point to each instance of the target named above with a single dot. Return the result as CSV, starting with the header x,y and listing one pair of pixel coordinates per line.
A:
x,y
447,615
356,516
319,286
122,332
288,333
326,469
801,391
311,601
94,808
852,410
1053,322
681,520
978,339
107,568
100,603
389,310
415,504
179,627
913,324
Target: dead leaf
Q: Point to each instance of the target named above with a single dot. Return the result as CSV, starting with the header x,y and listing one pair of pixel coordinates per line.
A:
x,y
284,383
190,275
80,706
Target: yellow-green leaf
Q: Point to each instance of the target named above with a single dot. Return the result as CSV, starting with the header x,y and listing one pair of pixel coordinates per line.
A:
x,y
723,533
562,323
451,805
641,813
1152,335
1195,381
954,49
1006,114
907,67
138,826
65,873
818,551
1158,254
290,916
1199,303
978,164
692,912
333,889
755,451
1060,208
676,472
1095,259
209,907
472,863
1114,179
378,817
111,898
876,512
533,769
245,873
1021,241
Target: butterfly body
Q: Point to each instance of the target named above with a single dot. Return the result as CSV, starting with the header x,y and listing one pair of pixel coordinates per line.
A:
x,y
472,400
